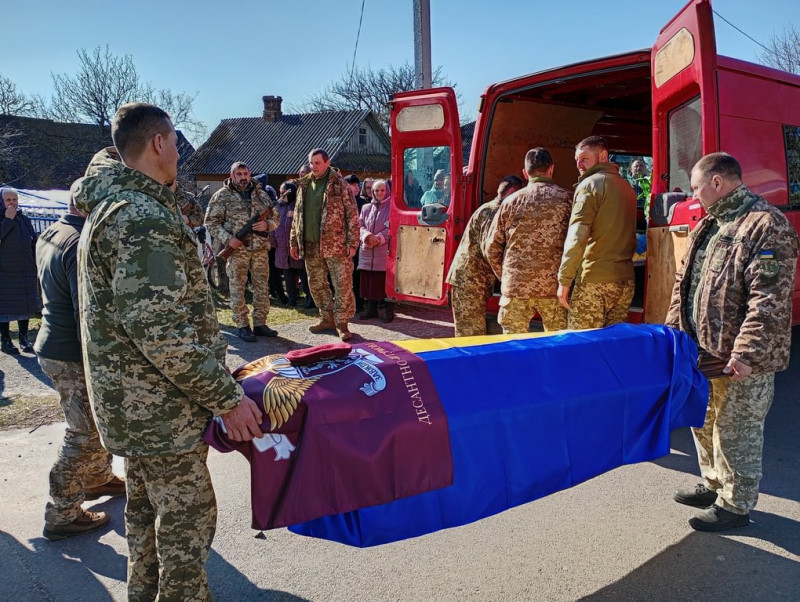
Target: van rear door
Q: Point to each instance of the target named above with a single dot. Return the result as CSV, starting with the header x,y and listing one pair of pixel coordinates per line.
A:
x,y
685,127
426,194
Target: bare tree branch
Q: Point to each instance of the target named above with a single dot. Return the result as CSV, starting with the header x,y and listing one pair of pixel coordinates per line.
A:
x,y
368,89
12,101
783,50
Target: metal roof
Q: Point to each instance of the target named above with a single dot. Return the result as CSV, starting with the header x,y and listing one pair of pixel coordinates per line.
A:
x,y
282,145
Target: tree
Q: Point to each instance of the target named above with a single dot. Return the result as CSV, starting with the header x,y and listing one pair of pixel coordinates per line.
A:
x,y
105,82
369,89
13,102
783,50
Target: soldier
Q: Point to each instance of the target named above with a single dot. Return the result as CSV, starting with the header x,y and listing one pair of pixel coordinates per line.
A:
x,y
733,296
325,233
235,204
154,356
471,278
598,251
82,470
524,246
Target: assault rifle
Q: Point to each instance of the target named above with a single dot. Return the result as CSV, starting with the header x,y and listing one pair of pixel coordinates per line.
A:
x,y
244,231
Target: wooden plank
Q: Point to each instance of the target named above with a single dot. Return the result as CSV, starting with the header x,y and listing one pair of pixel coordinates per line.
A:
x,y
665,250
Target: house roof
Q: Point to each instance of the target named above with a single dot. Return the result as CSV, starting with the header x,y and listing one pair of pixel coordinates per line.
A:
x,y
52,154
282,145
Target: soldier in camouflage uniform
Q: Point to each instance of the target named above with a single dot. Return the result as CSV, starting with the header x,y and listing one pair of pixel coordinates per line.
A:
x,y
733,295
325,233
239,200
83,468
154,356
470,277
598,251
524,246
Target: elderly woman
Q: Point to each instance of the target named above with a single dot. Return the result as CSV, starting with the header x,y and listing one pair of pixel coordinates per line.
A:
x,y
19,289
436,193
374,227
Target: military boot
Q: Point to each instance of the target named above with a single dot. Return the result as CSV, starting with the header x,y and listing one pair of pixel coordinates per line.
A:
x,y
8,346
325,323
343,332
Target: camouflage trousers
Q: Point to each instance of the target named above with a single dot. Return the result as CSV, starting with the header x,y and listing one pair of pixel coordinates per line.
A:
x,y
341,303
515,313
82,462
599,304
469,306
256,263
731,441
170,519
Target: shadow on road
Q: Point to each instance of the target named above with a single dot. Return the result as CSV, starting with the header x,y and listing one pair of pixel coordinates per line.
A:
x,y
711,568
71,565
228,583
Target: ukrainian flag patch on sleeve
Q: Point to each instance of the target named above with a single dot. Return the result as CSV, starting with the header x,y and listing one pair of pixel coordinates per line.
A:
x,y
767,263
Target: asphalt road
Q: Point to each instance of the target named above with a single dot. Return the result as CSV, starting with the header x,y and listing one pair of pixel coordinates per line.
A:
x,y
618,537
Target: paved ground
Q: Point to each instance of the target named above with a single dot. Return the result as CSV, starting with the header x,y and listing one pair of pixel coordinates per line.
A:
x,y
618,537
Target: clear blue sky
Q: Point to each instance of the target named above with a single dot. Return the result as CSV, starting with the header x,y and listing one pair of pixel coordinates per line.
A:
x,y
232,54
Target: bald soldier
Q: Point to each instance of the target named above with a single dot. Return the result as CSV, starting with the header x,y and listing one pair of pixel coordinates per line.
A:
x,y
733,296
471,278
524,245
153,354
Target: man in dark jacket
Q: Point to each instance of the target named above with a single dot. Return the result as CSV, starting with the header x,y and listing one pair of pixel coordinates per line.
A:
x,y
83,468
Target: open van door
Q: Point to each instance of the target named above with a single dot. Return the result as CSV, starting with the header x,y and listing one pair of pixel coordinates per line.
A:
x,y
427,194
685,127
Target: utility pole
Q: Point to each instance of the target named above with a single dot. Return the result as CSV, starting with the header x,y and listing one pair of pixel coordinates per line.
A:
x,y
422,44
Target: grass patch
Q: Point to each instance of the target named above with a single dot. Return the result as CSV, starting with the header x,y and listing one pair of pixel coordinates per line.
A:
x,y
278,314
29,411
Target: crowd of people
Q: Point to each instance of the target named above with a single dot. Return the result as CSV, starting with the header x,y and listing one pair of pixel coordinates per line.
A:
x,y
131,340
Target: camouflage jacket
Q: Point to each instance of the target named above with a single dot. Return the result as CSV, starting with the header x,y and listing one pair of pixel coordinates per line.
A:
x,y
469,263
742,306
526,239
154,356
339,231
228,212
602,228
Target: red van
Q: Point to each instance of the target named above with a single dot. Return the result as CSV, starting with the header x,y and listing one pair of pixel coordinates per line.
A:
x,y
669,105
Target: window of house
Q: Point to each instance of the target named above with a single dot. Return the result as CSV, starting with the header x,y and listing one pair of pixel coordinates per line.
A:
x,y
362,136
791,137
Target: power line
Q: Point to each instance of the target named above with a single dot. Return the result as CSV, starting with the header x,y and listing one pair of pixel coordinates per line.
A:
x,y
358,35
740,31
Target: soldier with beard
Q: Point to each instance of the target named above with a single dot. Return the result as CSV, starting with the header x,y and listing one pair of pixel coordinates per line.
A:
x,y
232,206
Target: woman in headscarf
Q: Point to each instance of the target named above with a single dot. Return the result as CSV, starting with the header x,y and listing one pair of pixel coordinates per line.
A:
x,y
19,288
374,227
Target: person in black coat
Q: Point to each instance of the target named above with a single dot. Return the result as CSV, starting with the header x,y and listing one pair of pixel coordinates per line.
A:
x,y
19,289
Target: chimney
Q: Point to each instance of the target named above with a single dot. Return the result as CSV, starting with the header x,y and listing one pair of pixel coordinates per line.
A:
x,y
272,107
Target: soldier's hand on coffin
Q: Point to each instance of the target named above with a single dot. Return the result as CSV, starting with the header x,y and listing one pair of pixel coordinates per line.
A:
x,y
242,422
737,370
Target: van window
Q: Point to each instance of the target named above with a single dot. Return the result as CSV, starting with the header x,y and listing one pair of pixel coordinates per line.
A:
x,y
791,136
685,144
426,176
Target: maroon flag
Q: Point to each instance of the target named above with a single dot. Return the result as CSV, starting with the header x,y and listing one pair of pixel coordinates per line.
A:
x,y
341,434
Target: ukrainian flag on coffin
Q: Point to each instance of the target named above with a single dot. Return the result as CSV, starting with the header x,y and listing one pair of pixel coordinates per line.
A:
x,y
526,416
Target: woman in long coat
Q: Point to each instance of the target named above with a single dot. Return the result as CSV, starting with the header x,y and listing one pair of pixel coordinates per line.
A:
x,y
19,288
374,227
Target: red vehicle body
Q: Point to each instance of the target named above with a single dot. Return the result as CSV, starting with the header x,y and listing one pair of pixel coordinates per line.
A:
x,y
670,104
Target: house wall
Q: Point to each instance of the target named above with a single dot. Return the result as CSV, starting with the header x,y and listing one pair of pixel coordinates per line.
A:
x,y
373,145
